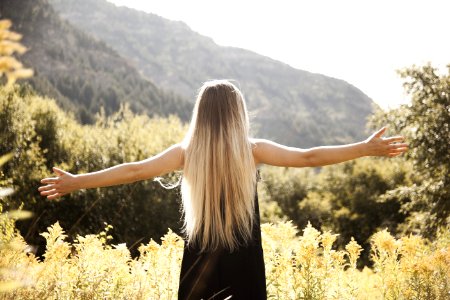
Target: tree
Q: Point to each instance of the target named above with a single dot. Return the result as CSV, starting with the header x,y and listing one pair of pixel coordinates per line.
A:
x,y
426,124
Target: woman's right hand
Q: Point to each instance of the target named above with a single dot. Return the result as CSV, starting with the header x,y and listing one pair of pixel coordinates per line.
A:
x,y
56,187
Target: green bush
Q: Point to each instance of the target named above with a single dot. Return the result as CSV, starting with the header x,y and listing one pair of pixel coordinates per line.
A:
x,y
40,136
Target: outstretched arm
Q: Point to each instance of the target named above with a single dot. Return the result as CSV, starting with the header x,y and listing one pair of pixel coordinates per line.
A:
x,y
169,160
271,153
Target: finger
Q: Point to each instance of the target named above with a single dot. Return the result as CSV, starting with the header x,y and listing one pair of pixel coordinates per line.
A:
x,y
59,171
55,196
50,180
49,192
398,146
394,154
46,187
401,150
398,151
380,132
394,139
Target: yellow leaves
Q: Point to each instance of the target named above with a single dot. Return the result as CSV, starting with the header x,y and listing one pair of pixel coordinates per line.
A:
x,y
411,246
151,247
353,252
56,248
14,262
410,268
9,286
171,241
297,267
9,45
338,257
4,158
16,74
5,24
327,240
8,48
16,214
385,243
305,266
442,257
159,282
54,234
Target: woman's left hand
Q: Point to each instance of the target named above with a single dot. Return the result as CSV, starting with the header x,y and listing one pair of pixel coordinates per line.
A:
x,y
376,145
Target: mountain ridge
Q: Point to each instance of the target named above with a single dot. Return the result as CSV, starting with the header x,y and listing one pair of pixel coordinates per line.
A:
x,y
91,54
82,73
291,106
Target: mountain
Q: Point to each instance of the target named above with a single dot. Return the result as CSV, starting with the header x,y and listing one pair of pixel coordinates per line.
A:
x,y
80,72
288,105
101,55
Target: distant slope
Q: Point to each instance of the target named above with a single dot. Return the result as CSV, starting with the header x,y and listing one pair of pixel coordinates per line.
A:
x,y
289,105
82,73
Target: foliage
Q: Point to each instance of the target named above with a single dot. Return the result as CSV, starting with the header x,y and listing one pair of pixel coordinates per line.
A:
x,y
7,233
426,124
297,267
9,44
41,136
13,70
285,187
81,73
344,197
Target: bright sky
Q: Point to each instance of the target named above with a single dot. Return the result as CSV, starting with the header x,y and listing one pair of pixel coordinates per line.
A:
x,y
361,42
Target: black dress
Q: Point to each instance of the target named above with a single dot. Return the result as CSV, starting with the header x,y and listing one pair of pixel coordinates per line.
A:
x,y
239,275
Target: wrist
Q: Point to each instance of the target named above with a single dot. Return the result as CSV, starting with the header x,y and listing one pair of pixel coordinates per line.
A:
x,y
76,183
364,148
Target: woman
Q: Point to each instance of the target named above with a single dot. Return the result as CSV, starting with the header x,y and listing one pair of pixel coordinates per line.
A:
x,y
223,256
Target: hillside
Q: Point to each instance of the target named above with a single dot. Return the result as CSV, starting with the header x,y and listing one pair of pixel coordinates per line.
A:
x,y
82,73
289,105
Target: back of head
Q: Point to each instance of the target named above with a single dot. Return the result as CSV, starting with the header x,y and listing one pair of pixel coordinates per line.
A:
x,y
219,171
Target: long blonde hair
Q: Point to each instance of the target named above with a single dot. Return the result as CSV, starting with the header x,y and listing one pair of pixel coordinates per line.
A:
x,y
219,174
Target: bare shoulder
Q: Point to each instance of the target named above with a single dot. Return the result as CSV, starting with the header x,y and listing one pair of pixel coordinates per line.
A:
x,y
172,157
178,148
261,144
178,153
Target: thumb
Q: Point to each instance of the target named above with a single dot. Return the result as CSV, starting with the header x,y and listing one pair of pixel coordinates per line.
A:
x,y
380,132
59,171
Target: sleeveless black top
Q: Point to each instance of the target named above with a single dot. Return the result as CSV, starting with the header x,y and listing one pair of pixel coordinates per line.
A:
x,y
223,275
